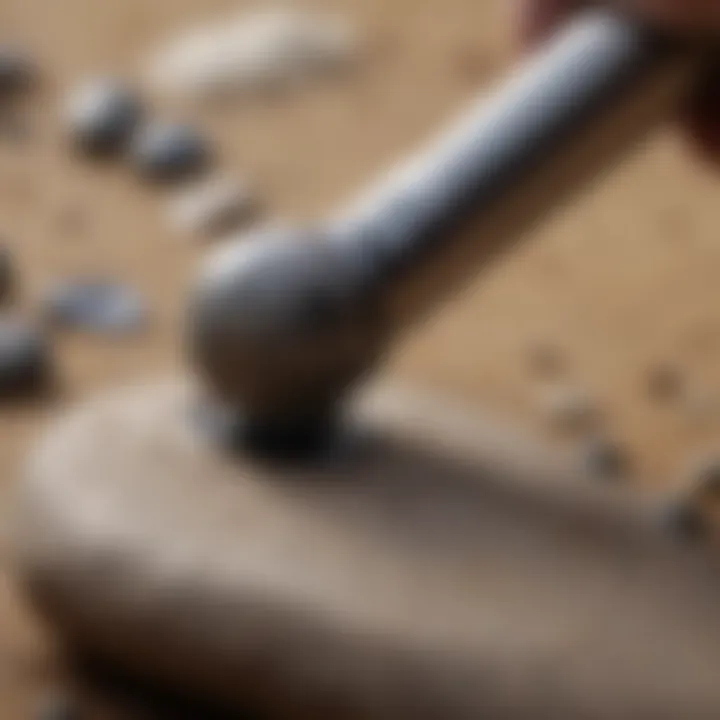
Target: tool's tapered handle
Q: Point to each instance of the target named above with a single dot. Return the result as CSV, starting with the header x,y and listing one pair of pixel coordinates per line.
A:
x,y
282,327
601,84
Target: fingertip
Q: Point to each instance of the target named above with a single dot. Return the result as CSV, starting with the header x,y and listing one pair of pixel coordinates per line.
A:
x,y
538,17
701,118
702,136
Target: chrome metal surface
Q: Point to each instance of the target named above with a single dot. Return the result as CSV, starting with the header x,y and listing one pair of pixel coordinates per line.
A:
x,y
283,324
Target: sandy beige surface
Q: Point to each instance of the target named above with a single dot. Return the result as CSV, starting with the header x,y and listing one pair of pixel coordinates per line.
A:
x,y
624,279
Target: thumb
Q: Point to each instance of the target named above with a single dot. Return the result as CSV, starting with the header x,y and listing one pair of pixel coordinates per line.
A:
x,y
537,17
690,15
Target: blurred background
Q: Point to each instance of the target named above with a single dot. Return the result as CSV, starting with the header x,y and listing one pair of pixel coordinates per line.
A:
x,y
612,308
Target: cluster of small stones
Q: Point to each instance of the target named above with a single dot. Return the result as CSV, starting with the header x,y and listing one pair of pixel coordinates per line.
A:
x,y
106,119
691,512
25,358
571,412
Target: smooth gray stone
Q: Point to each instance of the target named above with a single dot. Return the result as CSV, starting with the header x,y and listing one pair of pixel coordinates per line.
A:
x,y
167,152
18,71
102,116
96,306
25,363
438,567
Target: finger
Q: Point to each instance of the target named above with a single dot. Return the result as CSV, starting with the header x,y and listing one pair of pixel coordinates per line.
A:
x,y
682,15
701,119
538,17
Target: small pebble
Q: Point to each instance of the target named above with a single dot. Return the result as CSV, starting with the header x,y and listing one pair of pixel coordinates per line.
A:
x,y
703,479
102,116
96,306
212,208
569,410
167,152
684,520
606,460
254,51
17,71
25,365
664,383
546,361
6,275
694,512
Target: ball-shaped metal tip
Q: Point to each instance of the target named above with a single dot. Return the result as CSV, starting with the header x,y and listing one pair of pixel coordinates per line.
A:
x,y
280,325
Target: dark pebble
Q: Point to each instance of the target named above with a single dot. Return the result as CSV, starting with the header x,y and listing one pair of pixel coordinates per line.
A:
x,y
96,306
25,366
664,383
569,410
606,460
169,152
17,71
684,520
546,361
6,275
704,480
102,117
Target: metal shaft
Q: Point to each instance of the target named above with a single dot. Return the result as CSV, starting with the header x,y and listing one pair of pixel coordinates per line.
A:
x,y
283,327
570,113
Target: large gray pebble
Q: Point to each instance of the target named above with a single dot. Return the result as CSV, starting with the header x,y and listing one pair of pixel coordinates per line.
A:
x,y
17,70
96,306
102,116
169,151
254,51
25,366
212,207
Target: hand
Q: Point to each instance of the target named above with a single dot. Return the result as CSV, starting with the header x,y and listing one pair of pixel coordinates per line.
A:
x,y
538,16
702,119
